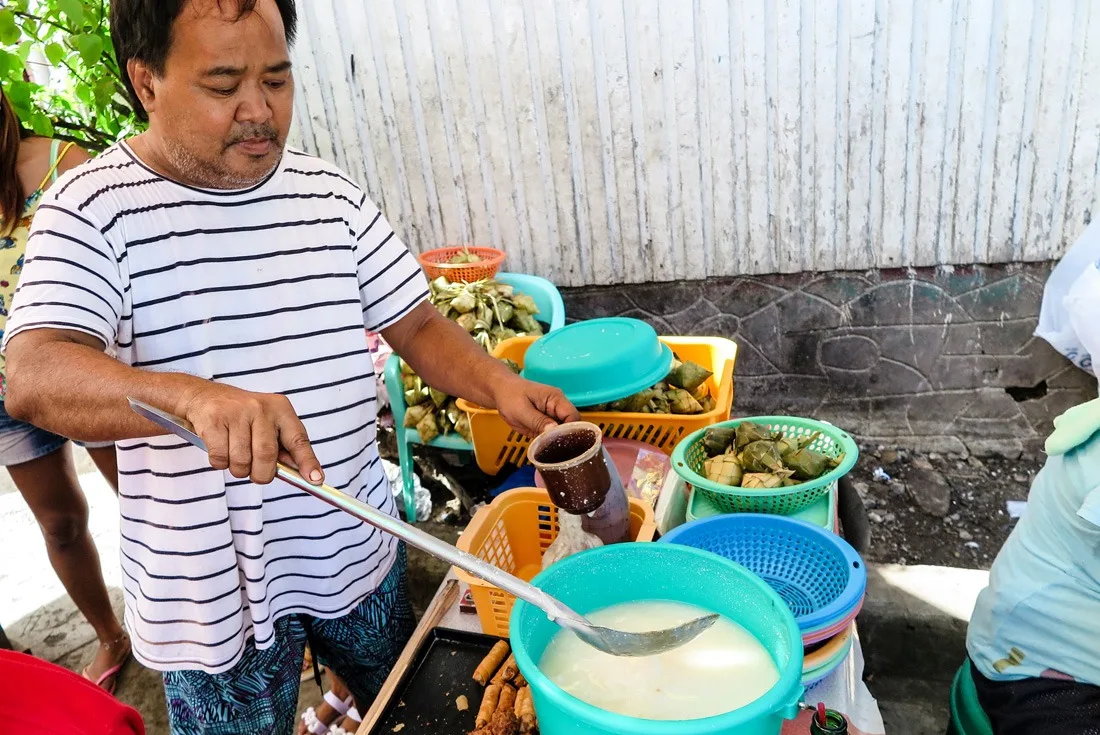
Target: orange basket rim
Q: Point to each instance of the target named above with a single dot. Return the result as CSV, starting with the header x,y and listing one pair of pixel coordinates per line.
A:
x,y
496,256
725,383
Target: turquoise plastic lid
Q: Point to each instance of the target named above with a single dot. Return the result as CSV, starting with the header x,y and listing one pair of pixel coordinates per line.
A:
x,y
599,361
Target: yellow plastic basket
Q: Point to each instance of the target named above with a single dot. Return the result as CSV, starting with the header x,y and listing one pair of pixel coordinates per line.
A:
x,y
513,532
496,444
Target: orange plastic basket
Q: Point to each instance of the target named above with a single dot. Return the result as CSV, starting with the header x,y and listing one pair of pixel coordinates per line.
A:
x,y
513,532
496,444
437,263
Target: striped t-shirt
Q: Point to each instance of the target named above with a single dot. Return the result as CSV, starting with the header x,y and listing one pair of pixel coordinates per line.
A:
x,y
267,289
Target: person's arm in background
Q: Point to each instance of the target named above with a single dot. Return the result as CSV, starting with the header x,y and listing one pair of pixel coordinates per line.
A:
x,y
37,171
68,309
394,295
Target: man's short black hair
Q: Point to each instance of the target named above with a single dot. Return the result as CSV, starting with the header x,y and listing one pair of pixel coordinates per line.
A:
x,y
142,30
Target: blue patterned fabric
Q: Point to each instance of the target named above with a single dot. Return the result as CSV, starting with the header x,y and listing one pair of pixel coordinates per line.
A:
x,y
260,694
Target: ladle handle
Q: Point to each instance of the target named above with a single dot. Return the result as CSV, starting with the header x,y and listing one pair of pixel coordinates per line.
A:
x,y
404,531
437,548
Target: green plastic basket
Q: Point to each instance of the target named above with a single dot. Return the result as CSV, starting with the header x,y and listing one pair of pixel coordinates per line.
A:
x,y
689,455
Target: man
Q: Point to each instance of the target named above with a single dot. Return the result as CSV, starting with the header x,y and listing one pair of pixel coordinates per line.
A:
x,y
235,280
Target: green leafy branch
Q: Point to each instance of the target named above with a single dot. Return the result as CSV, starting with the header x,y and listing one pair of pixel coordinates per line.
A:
x,y
85,100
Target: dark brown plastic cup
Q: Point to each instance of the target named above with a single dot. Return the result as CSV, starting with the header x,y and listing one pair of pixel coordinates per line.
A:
x,y
570,459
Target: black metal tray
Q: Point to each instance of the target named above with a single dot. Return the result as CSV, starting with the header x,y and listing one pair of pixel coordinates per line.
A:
x,y
424,701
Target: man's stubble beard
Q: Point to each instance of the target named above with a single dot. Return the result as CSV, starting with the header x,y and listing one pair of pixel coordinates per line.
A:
x,y
210,175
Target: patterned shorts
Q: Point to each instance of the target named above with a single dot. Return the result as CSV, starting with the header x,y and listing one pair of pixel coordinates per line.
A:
x,y
260,693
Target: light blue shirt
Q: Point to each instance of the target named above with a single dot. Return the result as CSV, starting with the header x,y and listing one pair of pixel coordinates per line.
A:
x,y
1040,615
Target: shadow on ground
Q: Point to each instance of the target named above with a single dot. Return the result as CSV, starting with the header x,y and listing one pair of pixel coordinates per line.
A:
x,y
913,630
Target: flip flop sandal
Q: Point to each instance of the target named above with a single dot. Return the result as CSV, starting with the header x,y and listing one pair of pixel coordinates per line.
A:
x,y
111,672
353,714
314,725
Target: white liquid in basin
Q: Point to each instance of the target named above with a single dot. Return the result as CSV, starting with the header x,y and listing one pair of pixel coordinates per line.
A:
x,y
723,669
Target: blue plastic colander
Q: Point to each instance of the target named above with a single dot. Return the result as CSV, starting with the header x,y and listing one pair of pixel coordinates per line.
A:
x,y
818,574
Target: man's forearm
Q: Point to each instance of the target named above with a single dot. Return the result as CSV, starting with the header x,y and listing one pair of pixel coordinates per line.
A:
x,y
77,391
444,355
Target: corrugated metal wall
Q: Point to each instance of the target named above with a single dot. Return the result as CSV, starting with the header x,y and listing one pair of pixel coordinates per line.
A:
x,y
650,140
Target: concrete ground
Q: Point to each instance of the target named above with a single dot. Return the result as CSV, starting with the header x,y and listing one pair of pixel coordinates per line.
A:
x,y
907,608
913,630
38,615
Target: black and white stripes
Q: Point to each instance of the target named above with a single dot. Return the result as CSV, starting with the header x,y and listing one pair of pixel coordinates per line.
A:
x,y
268,289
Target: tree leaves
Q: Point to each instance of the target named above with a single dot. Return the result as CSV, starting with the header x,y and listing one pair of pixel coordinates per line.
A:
x,y
55,53
9,63
85,94
41,124
104,92
82,100
73,9
9,31
19,95
90,47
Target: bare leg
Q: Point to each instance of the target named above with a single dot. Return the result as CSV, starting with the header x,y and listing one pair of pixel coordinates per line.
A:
x,y
106,461
50,487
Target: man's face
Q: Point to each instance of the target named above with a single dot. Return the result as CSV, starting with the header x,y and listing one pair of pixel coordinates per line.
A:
x,y
222,109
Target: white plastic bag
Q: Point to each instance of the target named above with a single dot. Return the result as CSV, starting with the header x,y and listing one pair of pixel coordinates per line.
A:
x,y
421,497
380,354
1082,304
1067,319
572,539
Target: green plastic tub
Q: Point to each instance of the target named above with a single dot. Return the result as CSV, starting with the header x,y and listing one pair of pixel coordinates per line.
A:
x,y
967,716
619,573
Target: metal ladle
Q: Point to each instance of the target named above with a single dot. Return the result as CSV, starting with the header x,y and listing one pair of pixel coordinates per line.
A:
x,y
614,642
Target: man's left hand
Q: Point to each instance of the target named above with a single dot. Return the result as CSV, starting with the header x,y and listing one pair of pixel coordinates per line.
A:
x,y
532,408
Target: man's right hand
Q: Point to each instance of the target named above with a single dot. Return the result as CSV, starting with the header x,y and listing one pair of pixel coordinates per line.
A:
x,y
248,433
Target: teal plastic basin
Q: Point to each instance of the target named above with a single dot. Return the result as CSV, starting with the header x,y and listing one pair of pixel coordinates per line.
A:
x,y
619,573
599,360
